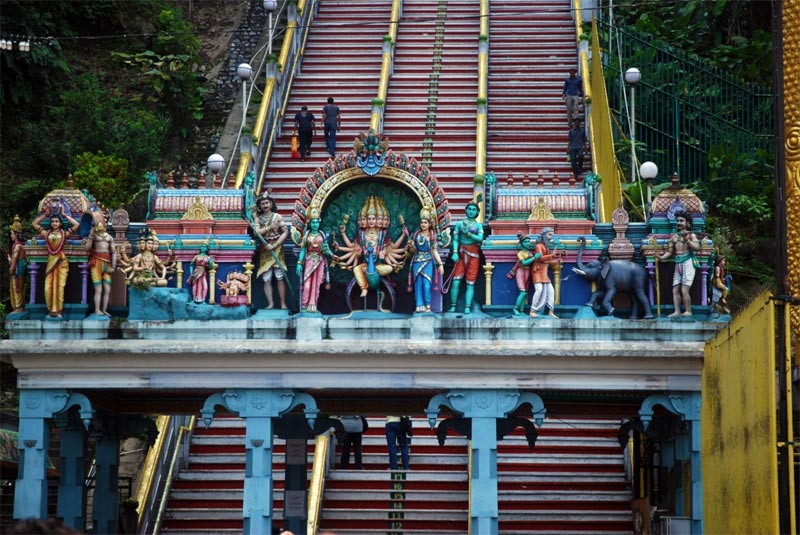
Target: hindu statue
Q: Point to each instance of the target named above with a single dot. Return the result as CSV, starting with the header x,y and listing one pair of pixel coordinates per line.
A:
x,y
146,269
682,247
270,226
544,256
521,272
372,254
17,266
425,261
467,256
312,262
198,276
55,279
102,264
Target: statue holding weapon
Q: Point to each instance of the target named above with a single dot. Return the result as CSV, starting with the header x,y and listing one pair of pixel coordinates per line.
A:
x,y
273,231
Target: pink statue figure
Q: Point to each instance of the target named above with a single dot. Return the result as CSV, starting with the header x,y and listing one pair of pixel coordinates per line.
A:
x,y
102,263
17,266
55,279
312,264
198,279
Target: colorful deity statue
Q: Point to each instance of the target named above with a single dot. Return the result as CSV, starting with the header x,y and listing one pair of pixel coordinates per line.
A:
x,y
198,275
373,254
544,256
17,266
682,247
720,287
146,269
102,264
312,264
521,272
55,238
270,226
425,260
467,256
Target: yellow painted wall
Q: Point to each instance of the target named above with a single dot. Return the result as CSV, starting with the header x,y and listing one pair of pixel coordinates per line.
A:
x,y
740,467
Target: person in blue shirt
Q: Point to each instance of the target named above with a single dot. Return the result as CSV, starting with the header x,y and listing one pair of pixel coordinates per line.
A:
x,y
306,129
331,120
575,147
572,94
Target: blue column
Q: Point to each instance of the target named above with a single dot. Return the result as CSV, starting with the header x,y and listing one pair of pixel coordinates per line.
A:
x,y
105,503
36,406
687,406
258,407
484,407
71,489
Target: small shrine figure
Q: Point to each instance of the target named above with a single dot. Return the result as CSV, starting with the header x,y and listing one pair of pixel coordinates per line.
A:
x,y
521,272
17,266
467,256
312,264
544,293
55,279
236,286
720,287
682,246
423,247
102,263
198,276
377,255
270,226
146,269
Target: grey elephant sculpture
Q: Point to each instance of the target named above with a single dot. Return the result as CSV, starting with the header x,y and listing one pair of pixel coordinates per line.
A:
x,y
614,276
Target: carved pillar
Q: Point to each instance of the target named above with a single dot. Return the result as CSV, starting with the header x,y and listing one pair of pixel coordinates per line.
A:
x,y
687,406
248,270
35,407
212,284
72,488
791,118
557,267
84,267
484,407
258,407
488,270
105,504
33,268
179,273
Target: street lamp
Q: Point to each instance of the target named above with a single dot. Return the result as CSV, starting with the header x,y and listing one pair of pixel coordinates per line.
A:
x,y
245,71
269,7
648,171
215,163
632,77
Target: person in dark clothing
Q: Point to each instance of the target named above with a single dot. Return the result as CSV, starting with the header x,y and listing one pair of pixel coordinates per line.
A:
x,y
306,129
331,120
354,428
575,147
397,435
572,94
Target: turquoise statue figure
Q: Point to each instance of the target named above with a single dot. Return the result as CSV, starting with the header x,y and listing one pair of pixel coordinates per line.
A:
x,y
198,279
312,264
521,272
467,256
425,262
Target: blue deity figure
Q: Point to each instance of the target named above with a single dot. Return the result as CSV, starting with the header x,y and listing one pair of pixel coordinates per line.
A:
x,y
425,257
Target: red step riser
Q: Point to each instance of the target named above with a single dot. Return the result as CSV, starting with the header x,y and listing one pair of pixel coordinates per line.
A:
x,y
383,525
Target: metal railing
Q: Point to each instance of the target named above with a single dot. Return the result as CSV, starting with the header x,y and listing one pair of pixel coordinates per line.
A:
x,y
324,457
387,68
690,116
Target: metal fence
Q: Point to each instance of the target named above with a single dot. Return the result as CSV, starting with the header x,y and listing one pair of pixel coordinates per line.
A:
x,y
690,118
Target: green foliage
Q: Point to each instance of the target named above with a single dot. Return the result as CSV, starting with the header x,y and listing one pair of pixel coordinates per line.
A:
x,y
106,177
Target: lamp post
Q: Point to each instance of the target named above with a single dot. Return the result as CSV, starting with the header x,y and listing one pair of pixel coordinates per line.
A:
x,y
245,71
632,77
269,7
648,171
215,164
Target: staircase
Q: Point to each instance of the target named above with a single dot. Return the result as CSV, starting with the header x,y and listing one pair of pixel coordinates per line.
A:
x,y
431,103
531,49
572,483
342,59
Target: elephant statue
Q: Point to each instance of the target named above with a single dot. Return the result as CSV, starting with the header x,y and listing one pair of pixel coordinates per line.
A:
x,y
612,276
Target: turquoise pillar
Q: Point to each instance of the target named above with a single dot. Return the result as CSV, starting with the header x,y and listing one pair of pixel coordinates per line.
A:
x,y
72,488
687,406
259,407
36,406
484,407
105,504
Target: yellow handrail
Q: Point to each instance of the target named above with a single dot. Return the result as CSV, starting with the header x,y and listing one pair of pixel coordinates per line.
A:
x,y
170,474
316,488
376,119
483,91
148,469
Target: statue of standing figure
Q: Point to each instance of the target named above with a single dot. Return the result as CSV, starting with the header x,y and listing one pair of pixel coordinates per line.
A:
x,y
467,256
521,272
425,260
198,278
55,238
17,266
102,264
682,246
270,225
312,264
544,293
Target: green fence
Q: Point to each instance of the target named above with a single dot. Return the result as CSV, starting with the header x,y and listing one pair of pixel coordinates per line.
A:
x,y
714,130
